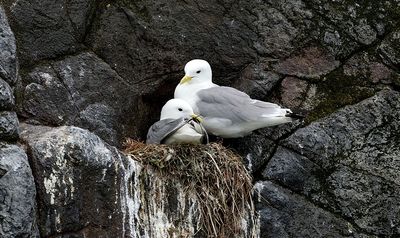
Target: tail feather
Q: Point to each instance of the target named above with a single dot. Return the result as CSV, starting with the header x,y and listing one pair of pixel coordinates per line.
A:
x,y
295,116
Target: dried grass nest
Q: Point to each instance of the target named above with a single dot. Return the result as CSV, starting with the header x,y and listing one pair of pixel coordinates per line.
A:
x,y
215,174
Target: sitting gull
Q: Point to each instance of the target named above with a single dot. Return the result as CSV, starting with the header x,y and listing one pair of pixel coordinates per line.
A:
x,y
226,112
178,124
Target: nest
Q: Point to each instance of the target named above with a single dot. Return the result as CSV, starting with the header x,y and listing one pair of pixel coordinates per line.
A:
x,y
213,173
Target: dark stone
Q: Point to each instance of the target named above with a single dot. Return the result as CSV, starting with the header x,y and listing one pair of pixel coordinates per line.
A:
x,y
49,29
83,91
255,149
8,55
284,214
17,194
389,50
78,180
355,19
348,163
372,202
9,126
346,129
365,66
86,188
312,63
293,170
293,92
6,96
281,26
257,81
150,42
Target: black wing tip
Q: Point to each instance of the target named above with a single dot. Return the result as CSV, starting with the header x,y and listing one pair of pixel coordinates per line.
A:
x,y
295,116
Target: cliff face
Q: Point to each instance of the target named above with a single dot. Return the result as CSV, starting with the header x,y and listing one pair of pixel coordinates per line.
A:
x,y
82,75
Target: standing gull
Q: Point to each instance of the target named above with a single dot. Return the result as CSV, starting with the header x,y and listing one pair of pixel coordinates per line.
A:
x,y
226,112
178,124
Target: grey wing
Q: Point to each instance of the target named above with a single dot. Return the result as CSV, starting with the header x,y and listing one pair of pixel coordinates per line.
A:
x,y
162,129
232,104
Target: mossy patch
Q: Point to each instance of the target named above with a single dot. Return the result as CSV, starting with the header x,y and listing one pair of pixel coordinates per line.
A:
x,y
213,173
338,91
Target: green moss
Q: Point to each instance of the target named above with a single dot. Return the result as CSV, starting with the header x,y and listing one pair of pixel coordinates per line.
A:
x,y
339,90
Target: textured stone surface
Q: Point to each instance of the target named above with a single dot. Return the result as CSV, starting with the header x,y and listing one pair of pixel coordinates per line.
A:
x,y
257,81
84,91
8,54
89,189
389,51
109,66
8,126
79,182
347,162
17,194
49,29
6,96
293,92
149,42
284,214
367,67
312,63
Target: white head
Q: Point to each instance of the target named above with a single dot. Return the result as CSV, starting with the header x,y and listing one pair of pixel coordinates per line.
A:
x,y
176,108
197,71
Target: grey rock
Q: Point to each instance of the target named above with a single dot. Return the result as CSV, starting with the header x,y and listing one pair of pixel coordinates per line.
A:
x,y
284,214
348,164
370,201
356,19
312,63
389,51
84,91
9,126
339,133
367,67
150,42
17,194
8,55
294,171
100,119
256,150
293,92
87,188
49,29
257,81
6,96
78,180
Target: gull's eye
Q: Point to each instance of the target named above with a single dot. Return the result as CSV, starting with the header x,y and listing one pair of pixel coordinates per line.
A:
x,y
198,71
180,109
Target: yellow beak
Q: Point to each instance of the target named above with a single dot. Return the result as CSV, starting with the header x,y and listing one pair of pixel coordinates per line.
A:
x,y
197,118
185,79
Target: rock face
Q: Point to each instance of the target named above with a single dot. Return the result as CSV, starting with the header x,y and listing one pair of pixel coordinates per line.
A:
x,y
8,77
17,194
81,90
89,189
345,164
109,66
17,185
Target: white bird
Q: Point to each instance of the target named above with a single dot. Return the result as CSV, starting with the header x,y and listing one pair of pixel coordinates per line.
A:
x,y
178,124
226,112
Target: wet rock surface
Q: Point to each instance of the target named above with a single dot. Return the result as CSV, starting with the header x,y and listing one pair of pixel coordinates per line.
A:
x,y
109,66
